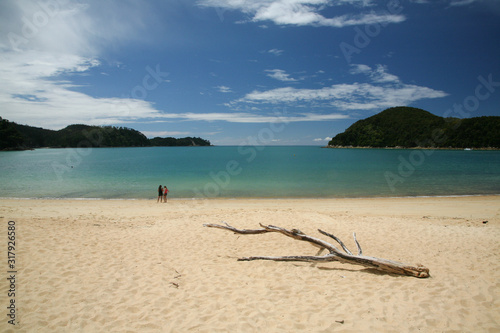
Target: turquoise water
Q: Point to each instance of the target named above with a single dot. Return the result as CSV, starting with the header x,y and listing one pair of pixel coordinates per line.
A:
x,y
246,171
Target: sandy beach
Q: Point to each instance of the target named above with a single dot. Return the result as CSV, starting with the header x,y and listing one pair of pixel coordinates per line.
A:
x,y
140,266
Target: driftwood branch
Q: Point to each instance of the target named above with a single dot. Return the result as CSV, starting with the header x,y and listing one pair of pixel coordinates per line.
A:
x,y
334,254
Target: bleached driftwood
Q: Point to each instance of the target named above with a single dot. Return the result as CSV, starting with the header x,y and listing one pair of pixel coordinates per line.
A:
x,y
334,254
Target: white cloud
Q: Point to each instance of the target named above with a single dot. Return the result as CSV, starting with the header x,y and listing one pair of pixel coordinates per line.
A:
x,y
70,27
292,95
453,3
245,117
224,89
321,140
370,97
303,12
378,75
385,90
360,69
45,42
280,75
32,90
461,2
276,52
151,134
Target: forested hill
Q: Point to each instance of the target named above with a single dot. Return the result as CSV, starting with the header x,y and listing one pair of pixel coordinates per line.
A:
x,y
410,127
14,136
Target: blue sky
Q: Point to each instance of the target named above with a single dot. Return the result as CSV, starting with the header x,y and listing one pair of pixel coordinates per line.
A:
x,y
273,72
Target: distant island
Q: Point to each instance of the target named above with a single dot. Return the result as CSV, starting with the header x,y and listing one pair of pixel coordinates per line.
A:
x,y
21,137
407,127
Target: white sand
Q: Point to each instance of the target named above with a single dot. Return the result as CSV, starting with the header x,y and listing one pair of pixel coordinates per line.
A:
x,y
139,266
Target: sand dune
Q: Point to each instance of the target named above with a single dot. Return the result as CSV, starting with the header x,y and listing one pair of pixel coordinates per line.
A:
x,y
139,266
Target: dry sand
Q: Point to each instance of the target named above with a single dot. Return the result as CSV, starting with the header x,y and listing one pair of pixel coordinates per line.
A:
x,y
139,266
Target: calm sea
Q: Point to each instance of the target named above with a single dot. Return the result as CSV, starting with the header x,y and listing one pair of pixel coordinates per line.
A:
x,y
263,172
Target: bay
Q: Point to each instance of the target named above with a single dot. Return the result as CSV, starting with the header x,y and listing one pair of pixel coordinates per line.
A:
x,y
246,171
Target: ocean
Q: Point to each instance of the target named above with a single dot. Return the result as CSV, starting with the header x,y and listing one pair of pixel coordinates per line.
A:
x,y
247,172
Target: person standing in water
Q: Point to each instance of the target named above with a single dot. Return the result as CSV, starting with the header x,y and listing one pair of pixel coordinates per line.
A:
x,y
165,192
160,194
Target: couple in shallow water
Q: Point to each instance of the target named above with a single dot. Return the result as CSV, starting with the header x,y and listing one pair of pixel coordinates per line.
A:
x,y
162,194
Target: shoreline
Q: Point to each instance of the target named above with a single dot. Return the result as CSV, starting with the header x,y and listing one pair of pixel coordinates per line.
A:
x,y
414,148
257,198
116,265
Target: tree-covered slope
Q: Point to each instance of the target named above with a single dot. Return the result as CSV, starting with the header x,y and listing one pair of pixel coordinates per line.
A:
x,y
188,141
411,127
96,136
10,137
14,136
81,136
